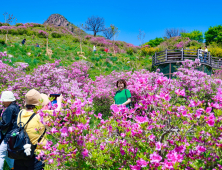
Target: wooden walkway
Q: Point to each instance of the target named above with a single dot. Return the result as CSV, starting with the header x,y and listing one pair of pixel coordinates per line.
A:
x,y
179,55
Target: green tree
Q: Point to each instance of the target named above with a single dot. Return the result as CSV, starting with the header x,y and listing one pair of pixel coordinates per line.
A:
x,y
155,42
194,35
214,34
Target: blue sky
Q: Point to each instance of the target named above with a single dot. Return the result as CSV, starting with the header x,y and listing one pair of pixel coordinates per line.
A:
x,y
153,17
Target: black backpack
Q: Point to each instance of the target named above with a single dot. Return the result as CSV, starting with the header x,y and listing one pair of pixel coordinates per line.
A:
x,y
130,104
17,138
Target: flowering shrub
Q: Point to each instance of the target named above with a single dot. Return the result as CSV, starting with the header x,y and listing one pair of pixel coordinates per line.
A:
x,y
3,55
56,35
174,123
49,78
216,51
178,42
42,34
148,51
129,51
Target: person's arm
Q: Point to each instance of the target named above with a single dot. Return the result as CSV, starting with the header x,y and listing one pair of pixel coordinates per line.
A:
x,y
59,102
127,102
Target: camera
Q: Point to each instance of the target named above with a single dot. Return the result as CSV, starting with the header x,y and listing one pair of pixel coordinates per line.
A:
x,y
54,96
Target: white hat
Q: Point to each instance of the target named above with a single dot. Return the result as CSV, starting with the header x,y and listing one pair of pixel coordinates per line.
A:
x,y
7,96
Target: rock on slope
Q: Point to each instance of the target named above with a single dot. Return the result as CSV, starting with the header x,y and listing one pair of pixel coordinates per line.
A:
x,y
59,20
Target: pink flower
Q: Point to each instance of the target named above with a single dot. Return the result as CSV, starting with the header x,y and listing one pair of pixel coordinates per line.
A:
x,y
192,103
123,135
200,149
210,122
122,152
208,109
115,108
54,130
174,157
64,132
102,146
85,153
50,161
155,158
141,162
71,129
100,116
152,137
180,92
134,167
158,146
198,112
167,165
140,119
150,127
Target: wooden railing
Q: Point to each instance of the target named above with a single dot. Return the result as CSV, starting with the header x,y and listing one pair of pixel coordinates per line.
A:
x,y
178,55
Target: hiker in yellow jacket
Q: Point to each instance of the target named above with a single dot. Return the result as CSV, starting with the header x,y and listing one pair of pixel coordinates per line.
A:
x,y
32,99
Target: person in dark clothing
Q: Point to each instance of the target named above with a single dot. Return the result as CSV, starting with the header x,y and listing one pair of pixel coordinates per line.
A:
x,y
37,45
7,123
23,41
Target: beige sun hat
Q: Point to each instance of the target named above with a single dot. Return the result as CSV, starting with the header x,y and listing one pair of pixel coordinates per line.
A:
x,y
7,96
45,99
33,97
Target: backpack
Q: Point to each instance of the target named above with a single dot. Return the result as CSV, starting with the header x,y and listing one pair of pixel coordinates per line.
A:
x,y
17,138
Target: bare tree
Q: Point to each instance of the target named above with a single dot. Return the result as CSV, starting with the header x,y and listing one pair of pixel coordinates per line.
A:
x,y
115,32
182,31
173,32
9,18
95,24
108,33
141,36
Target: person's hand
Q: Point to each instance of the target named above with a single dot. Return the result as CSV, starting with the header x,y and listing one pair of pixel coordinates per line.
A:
x,y
60,98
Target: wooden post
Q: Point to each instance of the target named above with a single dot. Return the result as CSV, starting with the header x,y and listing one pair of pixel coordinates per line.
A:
x,y
47,45
155,59
166,56
182,54
170,71
198,54
209,59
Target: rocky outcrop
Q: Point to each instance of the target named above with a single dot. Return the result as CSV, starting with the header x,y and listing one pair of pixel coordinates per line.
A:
x,y
59,20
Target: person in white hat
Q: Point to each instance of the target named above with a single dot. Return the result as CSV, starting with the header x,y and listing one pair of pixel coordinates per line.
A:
x,y
7,123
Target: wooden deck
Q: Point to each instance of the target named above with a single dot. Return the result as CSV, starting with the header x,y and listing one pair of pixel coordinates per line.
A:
x,y
179,55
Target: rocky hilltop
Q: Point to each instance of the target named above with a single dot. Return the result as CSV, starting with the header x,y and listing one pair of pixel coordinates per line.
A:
x,y
59,20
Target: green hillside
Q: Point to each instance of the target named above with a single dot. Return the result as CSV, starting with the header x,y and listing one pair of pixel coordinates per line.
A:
x,y
65,48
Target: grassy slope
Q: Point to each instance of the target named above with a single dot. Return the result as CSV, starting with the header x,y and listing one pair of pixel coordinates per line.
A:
x,y
65,49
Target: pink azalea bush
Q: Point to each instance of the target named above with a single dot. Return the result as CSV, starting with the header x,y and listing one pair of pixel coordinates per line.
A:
x,y
3,54
119,46
174,124
48,78
42,34
178,43
171,125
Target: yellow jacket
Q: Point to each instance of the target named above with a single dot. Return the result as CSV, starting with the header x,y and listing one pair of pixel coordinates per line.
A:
x,y
34,128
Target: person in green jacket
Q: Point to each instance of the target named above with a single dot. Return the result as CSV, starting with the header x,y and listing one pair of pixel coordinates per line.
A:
x,y
123,95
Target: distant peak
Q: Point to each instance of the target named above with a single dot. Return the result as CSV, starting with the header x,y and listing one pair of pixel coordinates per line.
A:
x,y
60,20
